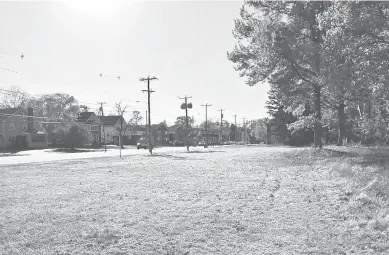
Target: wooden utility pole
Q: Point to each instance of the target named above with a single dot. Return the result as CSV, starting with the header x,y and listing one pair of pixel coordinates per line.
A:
x,y
148,79
235,129
186,120
221,126
206,123
244,132
102,114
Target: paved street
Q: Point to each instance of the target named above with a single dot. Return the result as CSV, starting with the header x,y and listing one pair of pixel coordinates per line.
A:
x,y
243,200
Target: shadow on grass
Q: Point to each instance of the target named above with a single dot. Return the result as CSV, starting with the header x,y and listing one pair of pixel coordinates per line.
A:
x,y
68,150
169,156
201,151
12,155
358,156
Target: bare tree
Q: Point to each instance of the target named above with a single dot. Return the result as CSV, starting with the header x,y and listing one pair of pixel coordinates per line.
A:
x,y
136,118
13,97
120,109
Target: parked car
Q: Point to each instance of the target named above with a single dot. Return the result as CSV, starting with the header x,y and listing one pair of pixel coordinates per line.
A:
x,y
201,143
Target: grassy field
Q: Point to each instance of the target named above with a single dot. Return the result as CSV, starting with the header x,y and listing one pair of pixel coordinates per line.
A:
x,y
244,200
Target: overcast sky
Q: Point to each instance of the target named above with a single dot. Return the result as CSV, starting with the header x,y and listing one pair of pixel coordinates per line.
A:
x,y
66,45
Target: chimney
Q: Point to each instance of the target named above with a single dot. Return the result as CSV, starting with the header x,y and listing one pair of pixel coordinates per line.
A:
x,y
30,119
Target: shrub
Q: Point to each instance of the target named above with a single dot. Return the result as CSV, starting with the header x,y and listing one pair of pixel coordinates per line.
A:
x,y
74,135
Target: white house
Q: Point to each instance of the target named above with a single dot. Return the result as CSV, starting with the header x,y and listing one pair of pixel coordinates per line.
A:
x,y
111,127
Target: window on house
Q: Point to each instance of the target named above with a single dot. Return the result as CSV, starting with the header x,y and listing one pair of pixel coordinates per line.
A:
x,y
12,126
94,128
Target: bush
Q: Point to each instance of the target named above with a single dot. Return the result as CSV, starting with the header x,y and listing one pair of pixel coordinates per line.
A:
x,y
74,135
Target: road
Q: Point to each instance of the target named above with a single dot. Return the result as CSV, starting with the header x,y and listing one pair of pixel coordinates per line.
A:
x,y
226,200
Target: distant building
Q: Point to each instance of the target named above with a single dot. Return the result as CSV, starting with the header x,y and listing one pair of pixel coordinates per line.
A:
x,y
110,125
19,130
215,135
160,133
136,132
91,122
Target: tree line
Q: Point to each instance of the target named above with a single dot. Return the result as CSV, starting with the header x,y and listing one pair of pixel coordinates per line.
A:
x,y
58,113
326,63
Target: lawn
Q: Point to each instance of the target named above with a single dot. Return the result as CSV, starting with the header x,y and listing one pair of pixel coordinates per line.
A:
x,y
227,200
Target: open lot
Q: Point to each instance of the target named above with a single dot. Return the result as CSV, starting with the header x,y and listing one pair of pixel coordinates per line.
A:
x,y
226,200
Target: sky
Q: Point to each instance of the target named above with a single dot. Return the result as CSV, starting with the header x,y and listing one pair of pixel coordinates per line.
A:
x,y
66,45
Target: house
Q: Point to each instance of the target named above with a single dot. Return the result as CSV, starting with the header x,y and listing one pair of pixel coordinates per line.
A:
x,y
18,130
172,135
110,125
214,135
92,122
136,133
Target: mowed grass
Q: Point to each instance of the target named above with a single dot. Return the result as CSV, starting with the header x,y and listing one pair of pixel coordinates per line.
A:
x,y
244,200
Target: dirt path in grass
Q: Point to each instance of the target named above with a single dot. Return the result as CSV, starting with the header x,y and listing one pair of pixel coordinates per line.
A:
x,y
244,200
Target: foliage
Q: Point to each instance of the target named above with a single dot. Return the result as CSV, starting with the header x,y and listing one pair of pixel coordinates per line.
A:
x,y
136,118
332,56
282,42
181,121
84,108
55,107
187,134
73,135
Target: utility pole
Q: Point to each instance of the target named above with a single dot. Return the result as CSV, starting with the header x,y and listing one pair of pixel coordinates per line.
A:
x,y
206,123
235,129
102,114
221,126
244,132
148,79
146,119
186,106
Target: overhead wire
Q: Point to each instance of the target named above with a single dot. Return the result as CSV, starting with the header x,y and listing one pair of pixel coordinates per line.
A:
x,y
95,105
97,74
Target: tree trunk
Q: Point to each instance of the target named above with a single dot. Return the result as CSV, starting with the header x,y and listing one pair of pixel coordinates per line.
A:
x,y
317,115
121,142
268,133
342,122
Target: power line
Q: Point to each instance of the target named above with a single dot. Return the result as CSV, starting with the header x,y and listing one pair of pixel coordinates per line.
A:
x,y
22,56
13,71
10,92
